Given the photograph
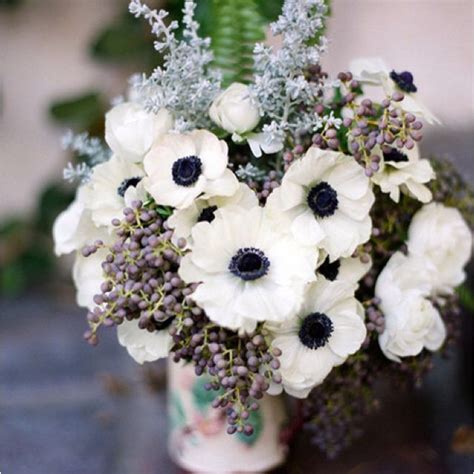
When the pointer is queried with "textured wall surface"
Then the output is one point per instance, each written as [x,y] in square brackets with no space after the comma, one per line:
[43,56]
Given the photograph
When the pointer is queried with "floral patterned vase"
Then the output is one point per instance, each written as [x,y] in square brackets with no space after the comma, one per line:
[198,441]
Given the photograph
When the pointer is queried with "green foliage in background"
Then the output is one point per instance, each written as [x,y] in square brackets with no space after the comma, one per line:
[10,3]
[26,256]
[125,41]
[466,297]
[82,112]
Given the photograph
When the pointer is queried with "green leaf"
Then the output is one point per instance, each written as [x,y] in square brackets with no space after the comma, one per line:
[83,112]
[164,211]
[54,198]
[126,40]
[270,9]
[12,279]
[256,420]
[466,297]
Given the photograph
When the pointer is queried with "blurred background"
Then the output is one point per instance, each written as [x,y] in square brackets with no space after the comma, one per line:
[77,409]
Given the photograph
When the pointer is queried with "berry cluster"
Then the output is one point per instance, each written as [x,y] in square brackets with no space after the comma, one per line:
[140,274]
[241,367]
[265,186]
[369,130]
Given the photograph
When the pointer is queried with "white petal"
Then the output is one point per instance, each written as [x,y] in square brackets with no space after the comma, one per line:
[348,178]
[226,185]
[142,345]
[212,152]
[348,334]
[307,229]
[369,70]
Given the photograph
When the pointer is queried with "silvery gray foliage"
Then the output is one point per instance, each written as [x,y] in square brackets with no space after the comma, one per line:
[77,173]
[185,83]
[281,85]
[90,148]
[250,171]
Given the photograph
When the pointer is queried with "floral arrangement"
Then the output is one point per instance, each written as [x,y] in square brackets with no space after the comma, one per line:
[281,233]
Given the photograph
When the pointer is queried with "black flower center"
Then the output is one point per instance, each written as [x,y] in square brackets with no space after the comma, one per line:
[404,81]
[315,330]
[161,325]
[330,270]
[249,264]
[186,171]
[127,183]
[322,199]
[207,214]
[395,156]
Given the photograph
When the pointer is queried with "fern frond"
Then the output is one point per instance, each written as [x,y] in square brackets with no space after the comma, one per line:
[238,25]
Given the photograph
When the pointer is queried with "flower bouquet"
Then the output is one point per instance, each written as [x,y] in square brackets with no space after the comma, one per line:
[277,234]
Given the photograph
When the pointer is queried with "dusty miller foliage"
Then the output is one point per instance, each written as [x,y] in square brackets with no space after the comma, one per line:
[186,83]
[281,85]
[90,149]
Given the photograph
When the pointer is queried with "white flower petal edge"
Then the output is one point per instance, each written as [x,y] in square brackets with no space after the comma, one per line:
[74,228]
[183,220]
[130,130]
[328,328]
[261,143]
[248,270]
[110,183]
[411,321]
[440,235]
[142,345]
[350,270]
[234,111]
[183,167]
[374,71]
[408,176]
[88,275]
[338,220]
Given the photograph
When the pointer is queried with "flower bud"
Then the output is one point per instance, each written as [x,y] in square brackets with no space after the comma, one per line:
[234,111]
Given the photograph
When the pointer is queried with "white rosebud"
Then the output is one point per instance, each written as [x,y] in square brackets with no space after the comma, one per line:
[234,111]
[440,235]
[411,321]
[130,130]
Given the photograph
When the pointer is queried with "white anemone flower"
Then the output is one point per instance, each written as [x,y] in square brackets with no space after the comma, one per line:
[325,199]
[440,235]
[114,185]
[402,170]
[328,328]
[130,130]
[182,167]
[142,345]
[203,210]
[74,228]
[411,321]
[350,270]
[375,72]
[248,270]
